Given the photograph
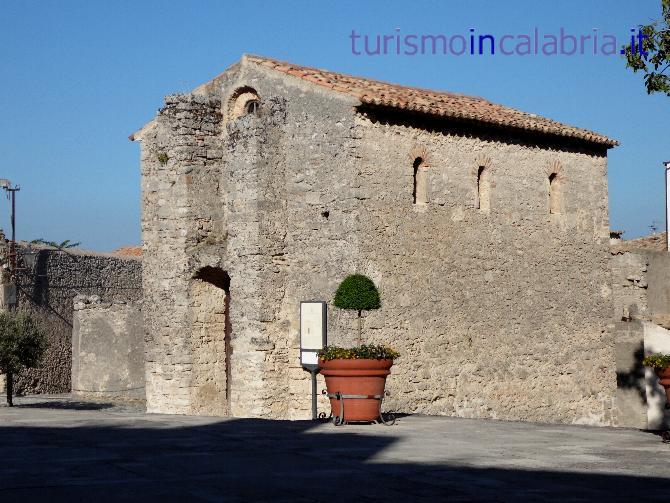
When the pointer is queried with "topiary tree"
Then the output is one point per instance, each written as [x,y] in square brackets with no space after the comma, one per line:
[22,344]
[359,293]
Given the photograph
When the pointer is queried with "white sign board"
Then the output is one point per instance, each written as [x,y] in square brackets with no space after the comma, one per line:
[313,328]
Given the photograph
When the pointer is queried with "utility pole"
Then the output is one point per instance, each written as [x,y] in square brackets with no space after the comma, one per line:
[11,192]
[11,290]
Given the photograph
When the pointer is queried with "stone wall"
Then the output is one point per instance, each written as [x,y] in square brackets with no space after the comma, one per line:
[47,291]
[631,396]
[500,311]
[107,349]
[641,284]
[629,284]
[217,201]
[641,281]
[640,398]
[658,277]
[182,225]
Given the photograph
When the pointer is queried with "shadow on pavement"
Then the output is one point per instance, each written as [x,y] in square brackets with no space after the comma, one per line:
[65,405]
[263,460]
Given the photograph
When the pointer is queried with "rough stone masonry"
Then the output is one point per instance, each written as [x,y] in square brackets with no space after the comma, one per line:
[46,290]
[485,228]
[107,349]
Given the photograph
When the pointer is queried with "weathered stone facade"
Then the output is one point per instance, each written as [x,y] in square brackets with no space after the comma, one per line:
[641,292]
[107,349]
[47,291]
[490,247]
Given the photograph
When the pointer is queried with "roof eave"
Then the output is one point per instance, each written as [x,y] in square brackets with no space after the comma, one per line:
[589,137]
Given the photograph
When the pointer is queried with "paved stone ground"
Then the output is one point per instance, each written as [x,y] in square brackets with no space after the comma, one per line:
[56,449]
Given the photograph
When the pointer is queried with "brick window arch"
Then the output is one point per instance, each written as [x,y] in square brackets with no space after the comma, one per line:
[244,101]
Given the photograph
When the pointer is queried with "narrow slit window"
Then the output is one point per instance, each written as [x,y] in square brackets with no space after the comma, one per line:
[420,182]
[554,194]
[483,189]
[251,107]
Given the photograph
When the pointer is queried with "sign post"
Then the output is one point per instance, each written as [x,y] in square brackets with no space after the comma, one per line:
[313,337]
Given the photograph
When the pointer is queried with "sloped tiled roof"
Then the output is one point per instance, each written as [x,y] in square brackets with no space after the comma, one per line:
[442,104]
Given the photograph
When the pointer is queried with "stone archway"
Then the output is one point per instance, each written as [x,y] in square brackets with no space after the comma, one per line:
[210,342]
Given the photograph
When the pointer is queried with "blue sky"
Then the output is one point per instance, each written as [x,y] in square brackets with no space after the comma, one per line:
[79,76]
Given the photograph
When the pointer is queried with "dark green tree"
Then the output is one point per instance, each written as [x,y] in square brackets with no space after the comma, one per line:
[652,55]
[22,344]
[358,293]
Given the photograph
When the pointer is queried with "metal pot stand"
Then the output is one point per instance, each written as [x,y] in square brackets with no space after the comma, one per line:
[389,420]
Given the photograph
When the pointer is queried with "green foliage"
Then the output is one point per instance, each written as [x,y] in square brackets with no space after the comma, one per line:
[657,361]
[364,352]
[357,292]
[162,158]
[657,46]
[22,342]
[62,246]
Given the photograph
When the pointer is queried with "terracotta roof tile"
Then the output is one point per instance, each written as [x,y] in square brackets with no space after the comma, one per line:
[133,251]
[442,104]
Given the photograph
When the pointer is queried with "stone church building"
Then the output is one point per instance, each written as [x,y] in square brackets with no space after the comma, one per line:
[485,228]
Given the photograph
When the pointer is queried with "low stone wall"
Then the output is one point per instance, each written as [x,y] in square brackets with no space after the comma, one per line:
[107,349]
[641,284]
[641,295]
[47,291]
[640,399]
[659,284]
[629,284]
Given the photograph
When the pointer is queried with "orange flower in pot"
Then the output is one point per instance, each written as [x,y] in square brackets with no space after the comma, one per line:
[356,377]
[661,365]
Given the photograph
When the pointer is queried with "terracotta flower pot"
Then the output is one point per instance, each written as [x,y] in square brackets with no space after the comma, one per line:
[356,377]
[664,380]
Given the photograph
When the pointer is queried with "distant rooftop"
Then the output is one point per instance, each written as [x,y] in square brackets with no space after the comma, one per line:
[654,242]
[133,251]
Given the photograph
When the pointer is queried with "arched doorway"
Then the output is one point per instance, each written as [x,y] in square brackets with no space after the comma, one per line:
[210,342]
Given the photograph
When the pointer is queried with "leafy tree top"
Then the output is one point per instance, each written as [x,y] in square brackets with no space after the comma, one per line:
[357,292]
[22,341]
[653,58]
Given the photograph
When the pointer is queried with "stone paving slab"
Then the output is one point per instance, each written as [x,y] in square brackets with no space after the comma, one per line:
[92,452]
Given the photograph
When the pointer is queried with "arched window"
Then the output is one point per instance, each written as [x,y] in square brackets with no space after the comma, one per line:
[483,201]
[420,188]
[244,101]
[554,194]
